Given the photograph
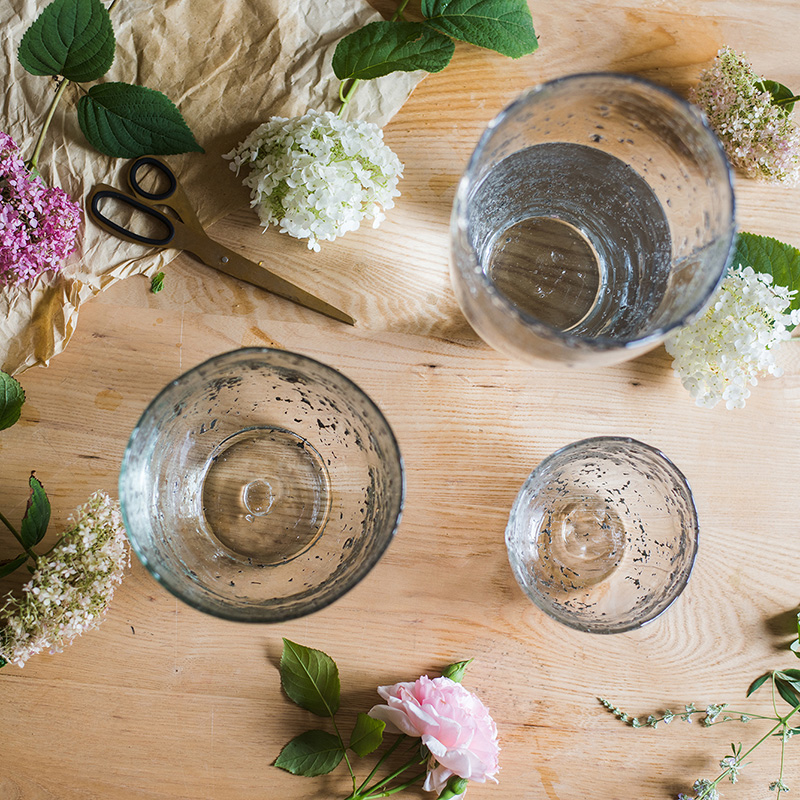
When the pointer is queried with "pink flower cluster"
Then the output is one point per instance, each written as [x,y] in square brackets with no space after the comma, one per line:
[39,224]
[758,136]
[453,724]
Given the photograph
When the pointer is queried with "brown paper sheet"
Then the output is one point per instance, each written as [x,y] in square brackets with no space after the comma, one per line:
[228,67]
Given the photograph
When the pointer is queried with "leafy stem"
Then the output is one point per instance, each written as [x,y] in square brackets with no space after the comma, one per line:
[13,530]
[348,87]
[395,789]
[33,162]
[344,750]
[371,792]
[377,766]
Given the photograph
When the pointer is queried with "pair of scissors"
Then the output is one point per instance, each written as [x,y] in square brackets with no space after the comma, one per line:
[186,233]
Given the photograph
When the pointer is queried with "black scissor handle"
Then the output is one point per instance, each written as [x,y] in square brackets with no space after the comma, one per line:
[161,167]
[133,203]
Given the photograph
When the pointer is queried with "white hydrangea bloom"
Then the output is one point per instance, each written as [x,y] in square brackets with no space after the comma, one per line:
[719,356]
[318,176]
[72,586]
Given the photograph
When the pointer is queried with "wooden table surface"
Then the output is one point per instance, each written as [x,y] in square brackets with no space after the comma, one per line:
[165,703]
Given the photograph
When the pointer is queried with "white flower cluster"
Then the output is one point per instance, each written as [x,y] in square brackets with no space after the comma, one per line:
[721,354]
[72,586]
[317,176]
[758,136]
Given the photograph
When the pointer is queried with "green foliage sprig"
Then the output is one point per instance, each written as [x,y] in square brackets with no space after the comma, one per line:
[398,45]
[785,685]
[73,41]
[310,678]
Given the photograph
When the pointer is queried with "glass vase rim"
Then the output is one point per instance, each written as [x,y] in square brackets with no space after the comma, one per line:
[596,343]
[227,612]
[681,481]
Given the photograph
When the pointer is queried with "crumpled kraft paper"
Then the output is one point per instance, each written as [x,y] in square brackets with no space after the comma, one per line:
[228,67]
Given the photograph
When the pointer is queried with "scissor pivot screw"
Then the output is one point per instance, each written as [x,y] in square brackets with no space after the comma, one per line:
[224,259]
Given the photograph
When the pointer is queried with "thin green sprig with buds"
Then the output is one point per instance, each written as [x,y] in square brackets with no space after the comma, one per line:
[400,45]
[785,685]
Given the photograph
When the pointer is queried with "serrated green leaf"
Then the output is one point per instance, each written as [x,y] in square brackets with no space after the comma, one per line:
[15,563]
[127,121]
[12,398]
[456,670]
[311,753]
[787,691]
[73,38]
[310,678]
[782,95]
[383,47]
[768,255]
[757,683]
[367,734]
[37,514]
[505,26]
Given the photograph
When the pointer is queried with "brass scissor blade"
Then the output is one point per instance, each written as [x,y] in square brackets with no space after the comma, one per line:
[237,266]
[272,283]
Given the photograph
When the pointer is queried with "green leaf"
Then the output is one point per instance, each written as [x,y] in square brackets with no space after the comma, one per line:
[781,95]
[768,255]
[73,38]
[792,676]
[157,284]
[757,683]
[456,670]
[787,691]
[37,514]
[12,397]
[795,647]
[3,662]
[505,26]
[127,121]
[367,734]
[311,753]
[383,47]
[10,566]
[310,678]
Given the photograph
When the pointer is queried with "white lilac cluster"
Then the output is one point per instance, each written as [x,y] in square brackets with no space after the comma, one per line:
[758,136]
[71,587]
[318,176]
[720,356]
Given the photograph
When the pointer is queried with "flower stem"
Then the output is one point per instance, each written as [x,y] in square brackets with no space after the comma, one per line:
[19,538]
[352,85]
[383,758]
[33,162]
[344,751]
[395,789]
[780,775]
[372,789]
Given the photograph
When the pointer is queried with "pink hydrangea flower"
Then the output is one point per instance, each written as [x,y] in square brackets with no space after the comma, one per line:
[39,224]
[453,724]
[758,136]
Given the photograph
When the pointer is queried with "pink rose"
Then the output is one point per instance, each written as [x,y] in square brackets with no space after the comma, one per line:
[453,723]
